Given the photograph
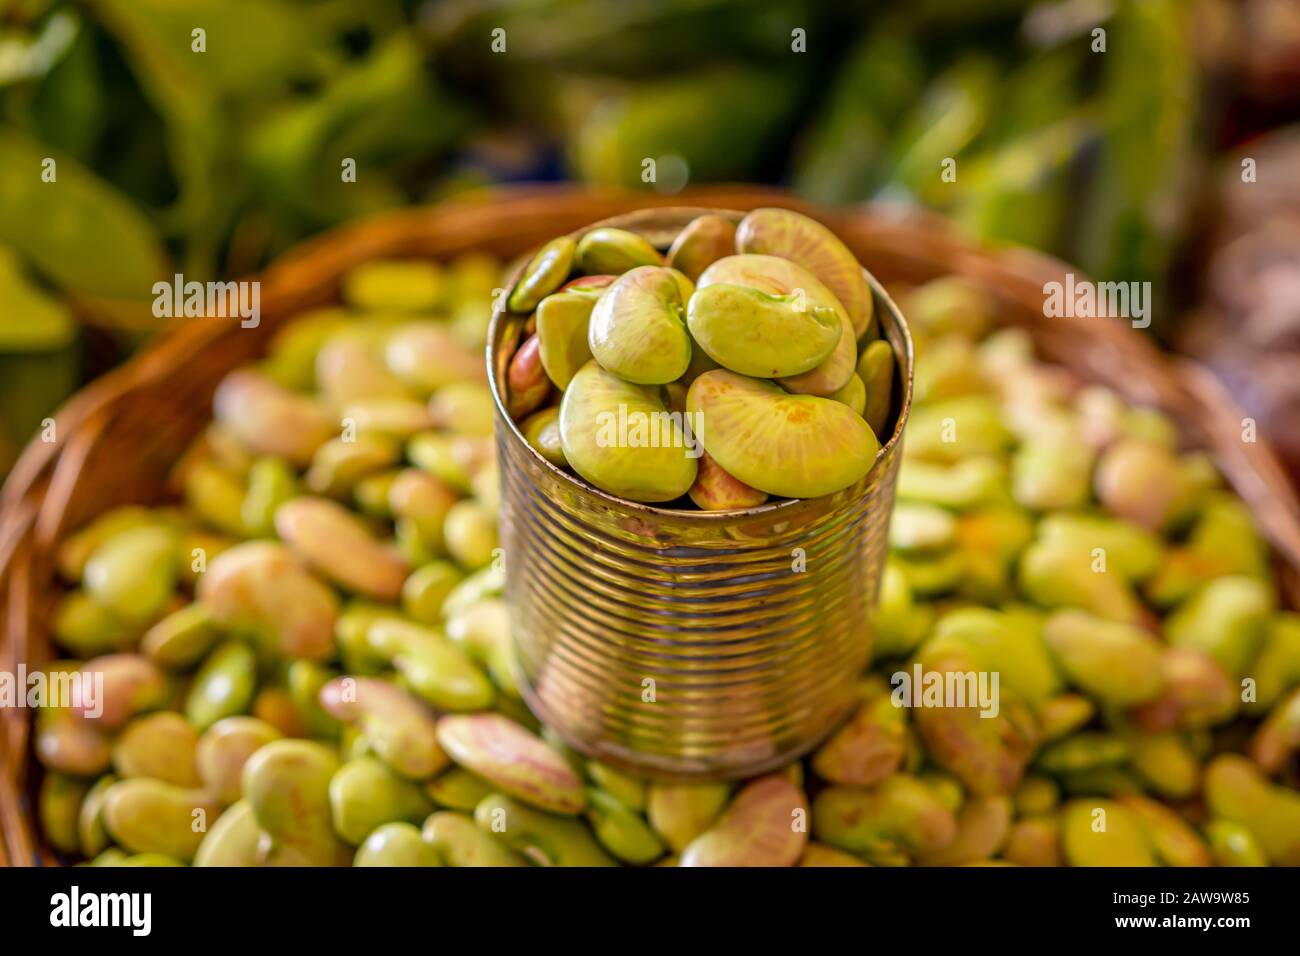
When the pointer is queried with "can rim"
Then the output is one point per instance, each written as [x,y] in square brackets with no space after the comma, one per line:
[653,224]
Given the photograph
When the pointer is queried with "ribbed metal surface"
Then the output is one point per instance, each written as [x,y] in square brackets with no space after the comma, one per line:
[689,644]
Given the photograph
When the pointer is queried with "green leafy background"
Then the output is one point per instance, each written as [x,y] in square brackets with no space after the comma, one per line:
[212,163]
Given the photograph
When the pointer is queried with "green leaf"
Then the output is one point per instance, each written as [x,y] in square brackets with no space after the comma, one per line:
[37,355]
[69,109]
[724,122]
[252,49]
[618,37]
[1018,191]
[77,230]
[952,113]
[1149,109]
[841,158]
[383,111]
[31,320]
[27,56]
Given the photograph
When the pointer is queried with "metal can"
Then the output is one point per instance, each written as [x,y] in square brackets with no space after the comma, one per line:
[690,644]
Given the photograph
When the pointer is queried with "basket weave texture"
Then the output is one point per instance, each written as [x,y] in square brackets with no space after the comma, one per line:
[118,438]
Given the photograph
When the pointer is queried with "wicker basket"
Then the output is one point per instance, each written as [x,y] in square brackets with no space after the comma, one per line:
[117,439]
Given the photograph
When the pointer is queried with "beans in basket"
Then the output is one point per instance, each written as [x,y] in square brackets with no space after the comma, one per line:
[305,657]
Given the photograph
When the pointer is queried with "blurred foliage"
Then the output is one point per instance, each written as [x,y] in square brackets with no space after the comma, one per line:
[38,361]
[212,162]
[233,151]
[1056,143]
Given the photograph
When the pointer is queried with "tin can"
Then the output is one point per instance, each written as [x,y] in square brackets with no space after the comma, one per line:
[690,644]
